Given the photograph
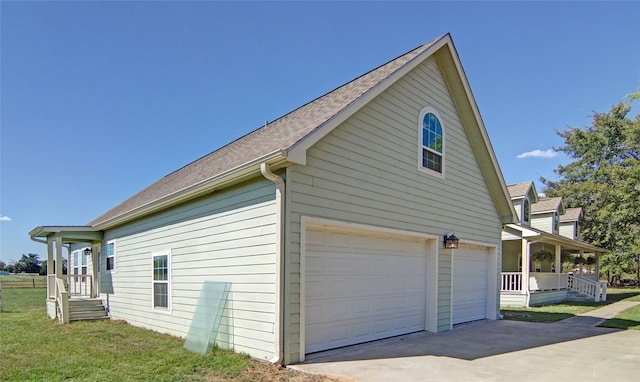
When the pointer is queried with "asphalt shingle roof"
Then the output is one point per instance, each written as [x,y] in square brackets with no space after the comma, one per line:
[281,134]
[571,214]
[518,190]
[546,205]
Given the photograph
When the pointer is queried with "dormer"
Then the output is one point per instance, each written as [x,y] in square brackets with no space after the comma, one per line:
[523,196]
[545,214]
[570,223]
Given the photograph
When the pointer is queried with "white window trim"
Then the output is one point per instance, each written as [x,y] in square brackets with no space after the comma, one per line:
[115,252]
[157,309]
[422,169]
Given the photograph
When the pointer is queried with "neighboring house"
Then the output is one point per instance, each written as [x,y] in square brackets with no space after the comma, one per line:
[328,222]
[546,233]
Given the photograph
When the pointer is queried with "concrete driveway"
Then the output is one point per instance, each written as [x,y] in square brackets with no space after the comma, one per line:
[490,351]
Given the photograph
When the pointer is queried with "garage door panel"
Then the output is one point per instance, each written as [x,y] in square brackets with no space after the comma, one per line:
[470,285]
[361,287]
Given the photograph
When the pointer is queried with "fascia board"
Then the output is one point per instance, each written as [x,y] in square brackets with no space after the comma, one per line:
[298,152]
[504,198]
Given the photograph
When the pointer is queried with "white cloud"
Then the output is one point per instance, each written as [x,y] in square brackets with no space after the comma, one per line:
[4,218]
[546,154]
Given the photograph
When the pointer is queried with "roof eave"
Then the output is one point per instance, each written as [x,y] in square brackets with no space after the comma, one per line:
[199,189]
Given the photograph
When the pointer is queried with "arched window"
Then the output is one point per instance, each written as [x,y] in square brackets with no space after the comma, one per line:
[556,222]
[431,141]
[526,211]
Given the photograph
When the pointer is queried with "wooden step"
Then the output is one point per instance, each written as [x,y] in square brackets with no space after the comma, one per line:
[87,309]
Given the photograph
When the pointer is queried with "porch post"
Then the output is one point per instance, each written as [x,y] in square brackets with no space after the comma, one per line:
[580,265]
[597,255]
[50,267]
[95,250]
[59,258]
[525,265]
[559,266]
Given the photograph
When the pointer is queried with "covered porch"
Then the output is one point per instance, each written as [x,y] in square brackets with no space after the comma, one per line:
[65,290]
[541,268]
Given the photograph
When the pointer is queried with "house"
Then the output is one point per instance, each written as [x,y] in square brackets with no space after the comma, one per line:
[546,233]
[328,222]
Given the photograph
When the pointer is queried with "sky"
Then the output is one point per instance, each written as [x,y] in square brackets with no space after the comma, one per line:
[100,99]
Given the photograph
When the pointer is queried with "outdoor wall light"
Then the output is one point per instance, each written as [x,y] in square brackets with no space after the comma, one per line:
[87,252]
[451,241]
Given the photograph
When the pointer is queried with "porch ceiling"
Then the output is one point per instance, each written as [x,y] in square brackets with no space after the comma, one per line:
[566,244]
[68,234]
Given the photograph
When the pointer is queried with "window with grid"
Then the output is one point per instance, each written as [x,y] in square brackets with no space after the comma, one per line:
[432,142]
[111,256]
[161,281]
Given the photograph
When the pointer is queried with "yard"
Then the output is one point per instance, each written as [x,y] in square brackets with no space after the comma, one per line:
[36,348]
[629,319]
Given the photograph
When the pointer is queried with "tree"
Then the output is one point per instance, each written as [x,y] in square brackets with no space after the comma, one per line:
[604,179]
[28,264]
[2,265]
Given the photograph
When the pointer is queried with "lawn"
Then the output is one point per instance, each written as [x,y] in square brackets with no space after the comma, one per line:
[34,347]
[560,311]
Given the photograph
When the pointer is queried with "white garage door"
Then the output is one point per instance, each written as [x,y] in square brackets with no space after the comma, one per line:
[361,286]
[470,284]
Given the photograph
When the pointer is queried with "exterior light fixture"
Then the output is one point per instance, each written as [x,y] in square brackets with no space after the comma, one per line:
[451,241]
[87,252]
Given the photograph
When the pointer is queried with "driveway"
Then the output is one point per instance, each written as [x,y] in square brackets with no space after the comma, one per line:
[490,351]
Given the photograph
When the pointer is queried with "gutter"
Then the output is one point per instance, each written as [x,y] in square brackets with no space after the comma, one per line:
[265,169]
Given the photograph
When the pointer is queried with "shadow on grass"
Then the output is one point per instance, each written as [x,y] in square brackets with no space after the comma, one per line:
[619,323]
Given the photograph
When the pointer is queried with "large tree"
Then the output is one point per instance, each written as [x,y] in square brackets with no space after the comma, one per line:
[604,179]
[28,264]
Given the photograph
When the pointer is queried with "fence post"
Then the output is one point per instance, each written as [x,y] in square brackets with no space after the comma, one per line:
[33,280]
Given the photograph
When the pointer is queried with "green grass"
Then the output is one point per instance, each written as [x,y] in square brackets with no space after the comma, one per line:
[560,311]
[629,319]
[35,348]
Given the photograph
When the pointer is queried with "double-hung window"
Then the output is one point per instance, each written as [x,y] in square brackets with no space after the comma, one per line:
[431,141]
[161,280]
[111,256]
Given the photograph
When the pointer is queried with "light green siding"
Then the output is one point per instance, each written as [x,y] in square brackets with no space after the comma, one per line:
[543,222]
[366,171]
[229,236]
[568,230]
[445,282]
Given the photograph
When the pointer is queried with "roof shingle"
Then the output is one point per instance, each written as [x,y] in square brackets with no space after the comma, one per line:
[546,205]
[281,134]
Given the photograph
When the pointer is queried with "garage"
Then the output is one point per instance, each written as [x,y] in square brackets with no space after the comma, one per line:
[470,284]
[361,286]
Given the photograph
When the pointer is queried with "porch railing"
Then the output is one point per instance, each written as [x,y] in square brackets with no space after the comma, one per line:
[80,285]
[511,282]
[62,301]
[51,286]
[548,281]
[595,289]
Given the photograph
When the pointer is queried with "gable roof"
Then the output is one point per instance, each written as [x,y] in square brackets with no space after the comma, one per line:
[520,190]
[287,138]
[548,205]
[571,215]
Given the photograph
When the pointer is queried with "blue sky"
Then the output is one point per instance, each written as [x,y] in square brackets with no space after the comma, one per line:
[101,99]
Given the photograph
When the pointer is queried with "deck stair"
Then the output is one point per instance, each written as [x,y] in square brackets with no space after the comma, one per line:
[576,296]
[87,309]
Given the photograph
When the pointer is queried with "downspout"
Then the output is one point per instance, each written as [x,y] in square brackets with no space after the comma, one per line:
[280,208]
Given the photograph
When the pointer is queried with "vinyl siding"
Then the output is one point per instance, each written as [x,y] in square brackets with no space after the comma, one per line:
[568,230]
[366,171]
[543,222]
[230,237]
[445,282]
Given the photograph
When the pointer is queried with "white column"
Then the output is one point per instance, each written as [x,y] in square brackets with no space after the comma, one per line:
[59,258]
[525,264]
[559,266]
[50,269]
[597,255]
